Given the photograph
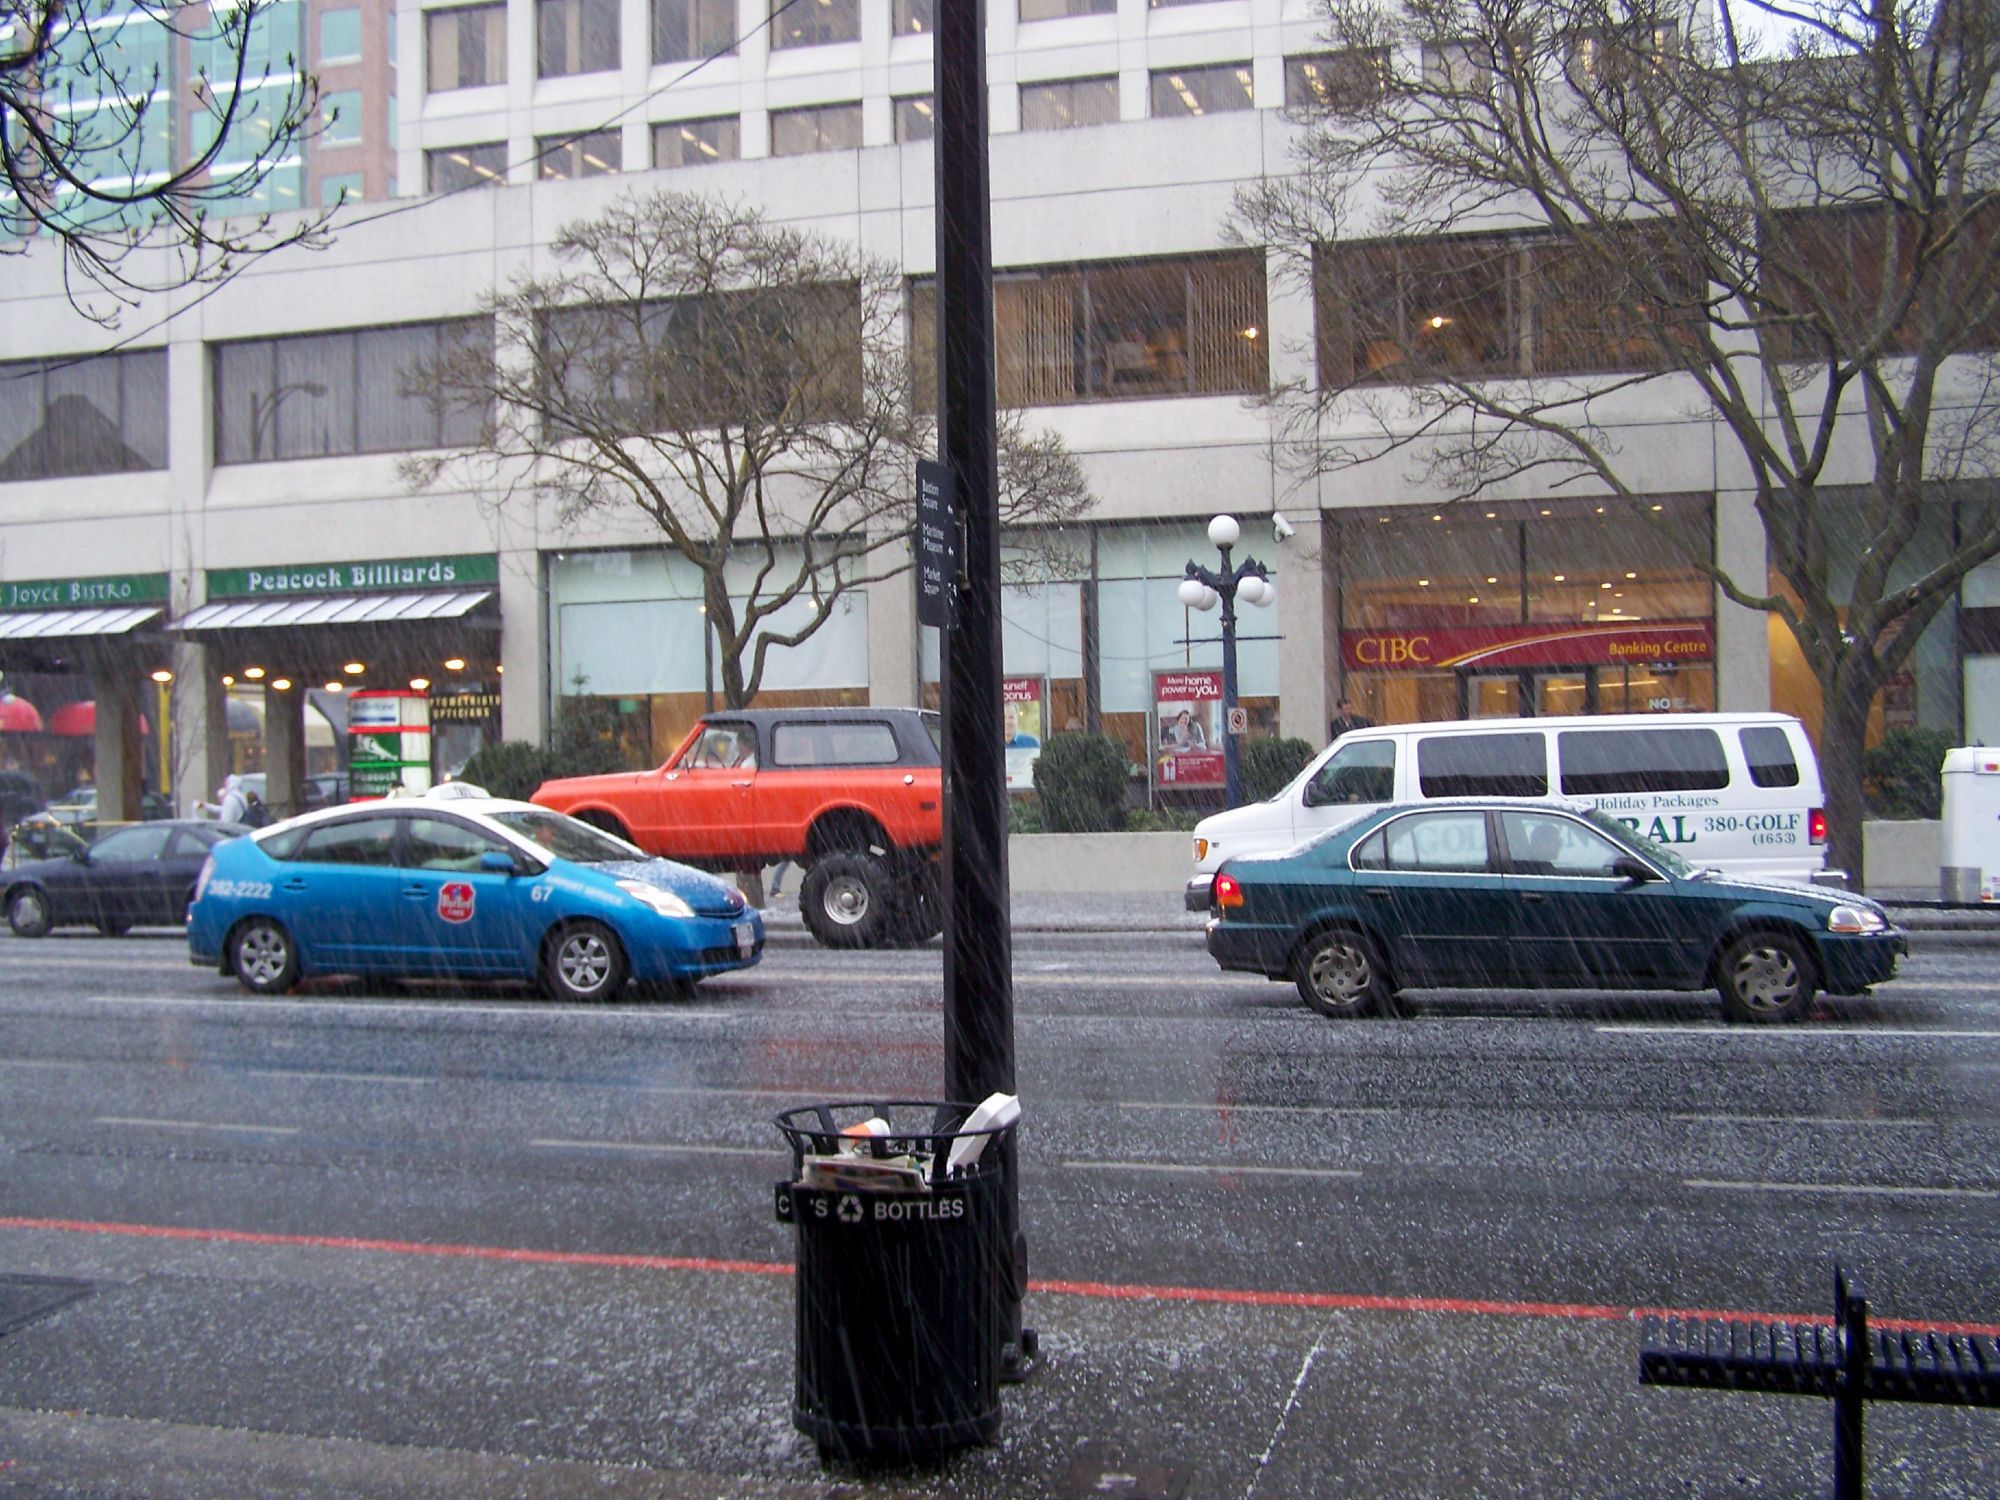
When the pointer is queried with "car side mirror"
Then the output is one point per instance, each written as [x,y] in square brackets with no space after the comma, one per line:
[1625,867]
[1312,796]
[499,863]
[81,856]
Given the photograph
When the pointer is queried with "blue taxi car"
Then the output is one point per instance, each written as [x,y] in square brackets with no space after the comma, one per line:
[462,887]
[1506,895]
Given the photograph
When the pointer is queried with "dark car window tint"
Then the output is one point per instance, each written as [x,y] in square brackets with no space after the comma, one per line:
[189,841]
[1768,749]
[833,744]
[1357,773]
[1443,841]
[283,845]
[1599,761]
[447,844]
[1541,844]
[131,846]
[1372,853]
[363,841]
[1483,765]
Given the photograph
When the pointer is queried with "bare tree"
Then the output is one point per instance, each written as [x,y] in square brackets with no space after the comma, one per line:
[1798,250]
[131,126]
[744,386]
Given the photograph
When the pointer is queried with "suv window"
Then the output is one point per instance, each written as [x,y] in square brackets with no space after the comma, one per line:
[1484,765]
[1768,749]
[1431,842]
[1364,772]
[1597,761]
[867,743]
[358,841]
[722,747]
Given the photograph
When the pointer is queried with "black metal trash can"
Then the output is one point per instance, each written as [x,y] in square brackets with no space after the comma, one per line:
[899,1296]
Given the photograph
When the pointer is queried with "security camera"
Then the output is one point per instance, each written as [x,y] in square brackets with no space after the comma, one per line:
[1281,529]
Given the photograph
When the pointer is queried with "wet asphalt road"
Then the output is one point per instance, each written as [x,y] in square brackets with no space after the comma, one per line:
[1184,1130]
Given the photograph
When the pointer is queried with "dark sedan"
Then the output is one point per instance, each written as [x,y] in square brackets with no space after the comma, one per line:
[140,875]
[1545,896]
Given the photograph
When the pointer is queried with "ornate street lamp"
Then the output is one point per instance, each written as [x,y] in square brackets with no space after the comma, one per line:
[1203,589]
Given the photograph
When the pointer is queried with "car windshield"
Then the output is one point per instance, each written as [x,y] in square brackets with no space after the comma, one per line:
[566,838]
[1658,853]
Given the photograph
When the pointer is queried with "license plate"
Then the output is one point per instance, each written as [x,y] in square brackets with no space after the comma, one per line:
[746,939]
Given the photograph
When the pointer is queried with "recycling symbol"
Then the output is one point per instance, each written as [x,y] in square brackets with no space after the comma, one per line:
[850,1209]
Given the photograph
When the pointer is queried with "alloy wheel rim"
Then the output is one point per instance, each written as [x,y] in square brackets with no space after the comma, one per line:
[846,900]
[28,908]
[585,962]
[1340,973]
[261,954]
[1766,979]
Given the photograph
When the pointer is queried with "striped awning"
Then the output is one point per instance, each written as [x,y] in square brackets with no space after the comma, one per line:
[331,609]
[74,624]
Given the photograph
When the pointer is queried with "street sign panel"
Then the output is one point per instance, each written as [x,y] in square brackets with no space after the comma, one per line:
[1239,721]
[937,545]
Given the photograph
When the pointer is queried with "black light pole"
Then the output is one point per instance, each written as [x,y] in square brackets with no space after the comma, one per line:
[978,944]
[1203,588]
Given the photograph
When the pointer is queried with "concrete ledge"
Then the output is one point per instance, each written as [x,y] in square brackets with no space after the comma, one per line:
[1113,863]
[1901,855]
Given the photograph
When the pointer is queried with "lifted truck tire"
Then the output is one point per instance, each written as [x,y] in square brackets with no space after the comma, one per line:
[919,905]
[849,899]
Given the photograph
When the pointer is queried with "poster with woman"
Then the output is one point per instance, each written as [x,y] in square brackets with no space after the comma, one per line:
[1021,704]
[1187,717]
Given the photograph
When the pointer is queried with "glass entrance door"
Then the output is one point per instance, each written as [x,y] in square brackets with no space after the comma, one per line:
[1564,693]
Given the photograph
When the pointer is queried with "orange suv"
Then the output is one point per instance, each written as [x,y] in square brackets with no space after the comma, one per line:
[854,795]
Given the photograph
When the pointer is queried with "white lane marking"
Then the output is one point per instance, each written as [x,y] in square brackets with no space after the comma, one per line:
[339,1076]
[307,1006]
[1214,1107]
[145,1124]
[665,1148]
[1231,1169]
[1285,1416]
[38,1062]
[1807,1032]
[1866,1189]
[1863,1121]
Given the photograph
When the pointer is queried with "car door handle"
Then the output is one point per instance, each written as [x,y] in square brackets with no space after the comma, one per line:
[414,892]
[740,783]
[1376,893]
[1533,898]
[296,883]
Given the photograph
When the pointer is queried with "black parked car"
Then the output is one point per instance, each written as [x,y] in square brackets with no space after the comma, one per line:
[142,874]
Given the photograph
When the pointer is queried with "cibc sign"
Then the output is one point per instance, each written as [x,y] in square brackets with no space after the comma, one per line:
[1498,647]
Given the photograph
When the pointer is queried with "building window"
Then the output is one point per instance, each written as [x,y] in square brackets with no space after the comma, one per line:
[339,36]
[452,169]
[825,127]
[343,187]
[1201,91]
[1069,104]
[814,23]
[1186,326]
[1340,83]
[103,415]
[1404,310]
[1460,68]
[913,17]
[696,143]
[1591,312]
[595,154]
[687,29]
[323,394]
[465,48]
[1055,10]
[575,36]
[916,118]
[340,118]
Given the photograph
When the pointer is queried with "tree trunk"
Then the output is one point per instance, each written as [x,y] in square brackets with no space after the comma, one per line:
[1843,737]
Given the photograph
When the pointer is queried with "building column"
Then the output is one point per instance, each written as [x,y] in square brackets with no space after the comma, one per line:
[120,769]
[1742,636]
[284,750]
[892,636]
[1303,599]
[200,755]
[524,648]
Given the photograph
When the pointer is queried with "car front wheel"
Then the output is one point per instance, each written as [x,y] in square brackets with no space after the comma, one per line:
[1766,977]
[1340,974]
[584,962]
[28,913]
[848,899]
[263,957]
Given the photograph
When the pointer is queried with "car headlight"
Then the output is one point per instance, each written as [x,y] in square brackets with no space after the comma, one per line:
[1854,919]
[666,903]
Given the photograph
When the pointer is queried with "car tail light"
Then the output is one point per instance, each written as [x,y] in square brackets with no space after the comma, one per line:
[1228,892]
[1816,825]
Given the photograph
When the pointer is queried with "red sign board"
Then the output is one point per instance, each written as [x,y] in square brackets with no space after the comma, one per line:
[1475,648]
[455,901]
[1187,743]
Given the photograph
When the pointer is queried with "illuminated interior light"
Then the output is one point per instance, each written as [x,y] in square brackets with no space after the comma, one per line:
[353,669]
[419,684]
[454,664]
[227,680]
[163,676]
[1439,320]
[1562,578]
[255,674]
[282,684]
[336,686]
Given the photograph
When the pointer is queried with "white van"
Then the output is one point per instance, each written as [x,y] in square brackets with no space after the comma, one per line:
[1739,793]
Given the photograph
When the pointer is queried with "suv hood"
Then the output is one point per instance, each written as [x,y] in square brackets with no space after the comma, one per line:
[1257,828]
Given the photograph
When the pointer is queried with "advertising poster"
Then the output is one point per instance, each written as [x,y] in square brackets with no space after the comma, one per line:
[1187,719]
[1022,708]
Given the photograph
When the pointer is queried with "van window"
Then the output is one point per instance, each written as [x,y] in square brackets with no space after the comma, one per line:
[1597,761]
[1768,749]
[1484,765]
[1363,772]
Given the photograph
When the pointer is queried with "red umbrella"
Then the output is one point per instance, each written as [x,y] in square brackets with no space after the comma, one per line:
[19,716]
[79,719]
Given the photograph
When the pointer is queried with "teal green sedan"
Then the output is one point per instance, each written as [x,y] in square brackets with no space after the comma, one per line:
[1545,896]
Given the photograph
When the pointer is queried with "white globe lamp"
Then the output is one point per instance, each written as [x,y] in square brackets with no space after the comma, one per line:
[1190,592]
[1224,532]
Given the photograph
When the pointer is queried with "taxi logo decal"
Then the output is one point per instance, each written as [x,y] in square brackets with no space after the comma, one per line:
[455,901]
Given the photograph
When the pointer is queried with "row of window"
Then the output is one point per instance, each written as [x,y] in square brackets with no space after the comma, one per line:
[466,46]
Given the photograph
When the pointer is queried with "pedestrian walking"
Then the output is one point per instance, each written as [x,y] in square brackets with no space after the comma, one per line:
[1346,720]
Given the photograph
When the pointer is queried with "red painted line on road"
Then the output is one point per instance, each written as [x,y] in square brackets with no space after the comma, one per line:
[1118,1291]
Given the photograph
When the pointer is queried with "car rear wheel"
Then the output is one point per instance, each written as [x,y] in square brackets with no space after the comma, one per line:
[848,899]
[584,962]
[1340,974]
[263,957]
[28,913]
[1766,977]
[920,912]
